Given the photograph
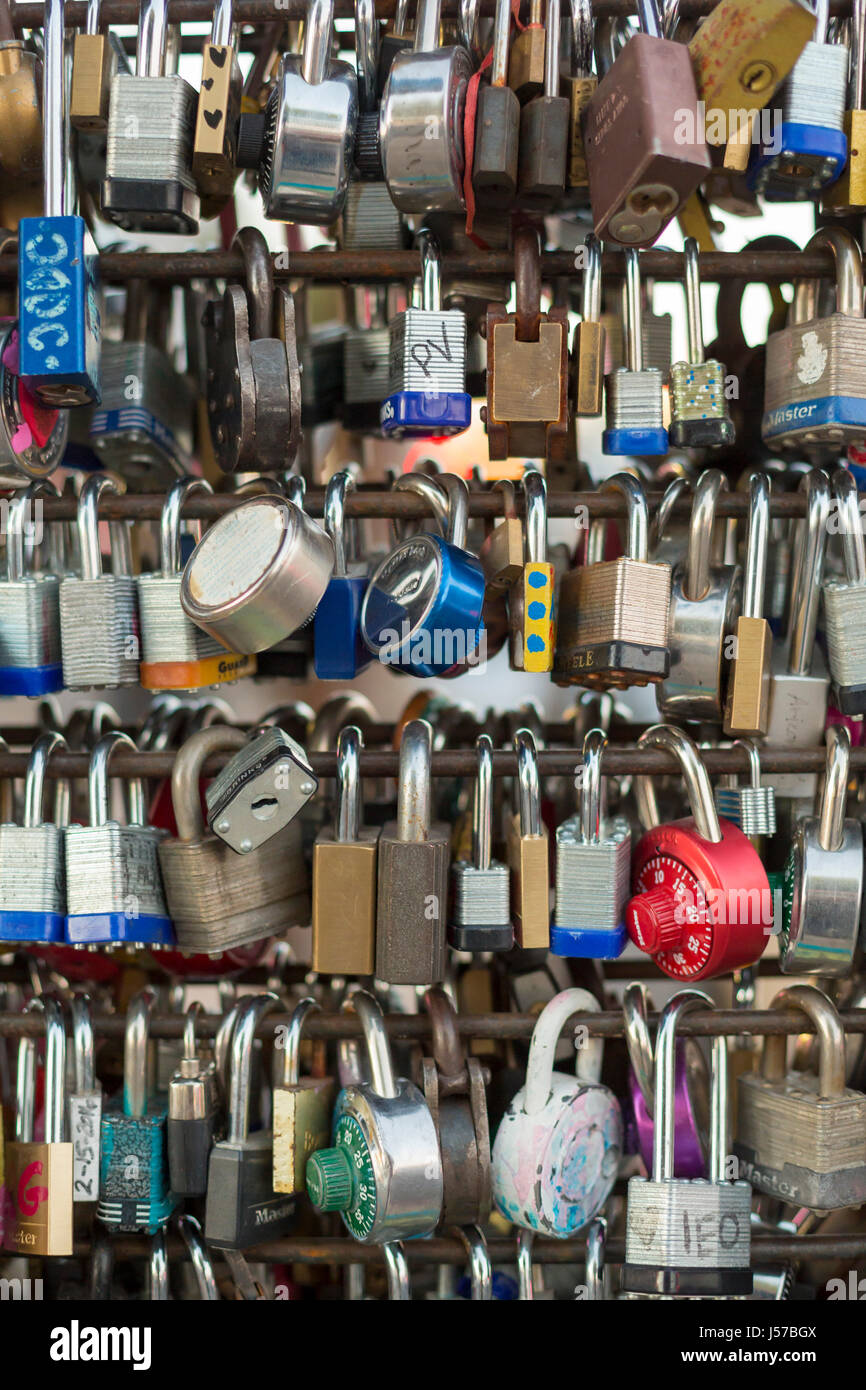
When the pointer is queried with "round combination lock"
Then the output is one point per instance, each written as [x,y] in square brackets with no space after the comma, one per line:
[702,903]
[343,1178]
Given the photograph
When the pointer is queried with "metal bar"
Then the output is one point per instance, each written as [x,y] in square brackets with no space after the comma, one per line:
[367,266]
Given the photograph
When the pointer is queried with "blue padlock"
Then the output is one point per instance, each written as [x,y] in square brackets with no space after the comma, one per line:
[30,661]
[427,388]
[422,610]
[58,310]
[33,877]
[633,393]
[339,651]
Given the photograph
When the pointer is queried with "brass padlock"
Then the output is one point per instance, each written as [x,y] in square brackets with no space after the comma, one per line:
[526,63]
[20,119]
[93,66]
[214,144]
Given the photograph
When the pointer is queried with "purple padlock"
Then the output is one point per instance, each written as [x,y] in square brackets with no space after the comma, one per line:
[691,1093]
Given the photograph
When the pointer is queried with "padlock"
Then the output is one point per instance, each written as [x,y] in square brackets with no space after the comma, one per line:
[815,391]
[32,869]
[752,806]
[219,899]
[367,354]
[149,185]
[310,123]
[687,1237]
[844,603]
[801,1135]
[848,194]
[807,150]
[302,1109]
[30,662]
[214,165]
[640,169]
[527,409]
[134,1193]
[501,551]
[699,410]
[822,890]
[481,908]
[254,376]
[260,791]
[412,900]
[544,128]
[38,1176]
[526,63]
[369,219]
[58,302]
[704,607]
[384,1171]
[177,655]
[194,1119]
[114,889]
[528,852]
[593,862]
[702,902]
[497,124]
[635,411]
[340,652]
[421,123]
[453,1085]
[422,611]
[427,374]
[530,599]
[344,875]
[98,612]
[747,707]
[556,1152]
[85,1104]
[612,616]
[690,1093]
[32,436]
[20,116]
[93,67]
[588,347]
[580,85]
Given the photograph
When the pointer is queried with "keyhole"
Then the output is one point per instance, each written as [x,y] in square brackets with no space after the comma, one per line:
[652,198]
[263,807]
[756,77]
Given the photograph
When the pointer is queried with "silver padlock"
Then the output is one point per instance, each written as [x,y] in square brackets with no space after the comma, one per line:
[751,806]
[29,606]
[845,604]
[263,787]
[98,612]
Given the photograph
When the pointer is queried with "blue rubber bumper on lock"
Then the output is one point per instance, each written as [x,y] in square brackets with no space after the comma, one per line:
[30,680]
[32,926]
[592,943]
[425,413]
[635,441]
[815,146]
[118,929]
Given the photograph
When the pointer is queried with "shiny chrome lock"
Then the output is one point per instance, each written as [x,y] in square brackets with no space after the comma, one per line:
[30,662]
[32,868]
[635,419]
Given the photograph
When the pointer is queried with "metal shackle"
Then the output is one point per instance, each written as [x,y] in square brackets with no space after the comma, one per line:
[590,302]
[190,1231]
[635,1002]
[757,542]
[169,522]
[259,279]
[382,1078]
[633,312]
[831,1039]
[186,773]
[87,525]
[594,744]
[34,780]
[396,1271]
[190,1046]
[596,1240]
[17,523]
[292,1049]
[648,18]
[525,1242]
[675,489]
[694,314]
[528,783]
[637,520]
[849,277]
[697,578]
[535,530]
[152,38]
[807,571]
[221,24]
[414,786]
[480,1268]
[55,1074]
[831,822]
[25,1081]
[367,54]
[158,1285]
[687,1001]
[754,757]
[542,1048]
[83,1047]
[853,548]
[252,1011]
[431,271]
[347,825]
[698,788]
[427,19]
[136,1053]
[482,803]
[428,488]
[334,517]
[318,33]
[97,782]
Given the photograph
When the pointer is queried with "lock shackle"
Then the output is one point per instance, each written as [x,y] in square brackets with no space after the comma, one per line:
[427,19]
[822,20]
[633,314]
[431,270]
[635,1006]
[222,1048]
[697,576]
[347,825]
[97,782]
[163,723]
[55,1069]
[535,533]
[221,26]
[528,784]
[136,1052]
[527,284]
[157,1267]
[542,1048]
[482,803]
[648,18]
[831,822]
[34,781]
[186,773]
[551,48]
[382,1077]
[581,33]
[695,776]
[675,489]
[259,280]
[25,1081]
[457,492]
[414,785]
[525,1242]
[339,484]
[396,1271]
[83,1046]
[686,1001]
[250,1014]
[189,1229]
[807,571]
[152,38]
[54,136]
[594,744]
[849,277]
[401,15]
[169,523]
[193,1012]
[480,1268]
[318,33]
[292,1049]
[637,520]
[853,548]
[596,1241]
[590,301]
[18,522]
[433,494]
[87,525]
[757,543]
[468,12]
[94,11]
[754,757]
[694,314]
[367,55]
[449,1053]
[831,1039]
[501,37]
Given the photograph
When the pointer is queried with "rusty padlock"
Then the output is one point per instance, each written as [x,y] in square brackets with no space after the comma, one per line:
[454,1089]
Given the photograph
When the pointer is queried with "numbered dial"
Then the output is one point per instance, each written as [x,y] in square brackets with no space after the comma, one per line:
[342,1178]
[699,909]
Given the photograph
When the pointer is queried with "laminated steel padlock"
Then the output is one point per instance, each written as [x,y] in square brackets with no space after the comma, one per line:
[815,387]
[32,436]
[261,789]
[557,1149]
[32,864]
[690,1092]
[641,171]
[481,907]
[57,290]
[149,185]
[801,1135]
[339,650]
[497,124]
[219,899]
[310,123]
[544,129]
[98,612]
[588,347]
[85,1104]
[848,194]
[593,864]
[30,662]
[344,875]
[193,1121]
[134,1193]
[384,1171]
[747,706]
[38,1176]
[176,654]
[427,374]
[699,410]
[822,890]
[702,902]
[366,353]
[612,616]
[687,1237]
[302,1108]
[214,165]
[633,393]
[845,603]
[751,806]
[114,891]
[93,67]
[529,852]
[453,1084]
